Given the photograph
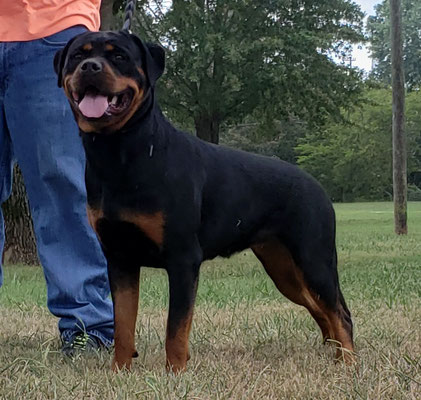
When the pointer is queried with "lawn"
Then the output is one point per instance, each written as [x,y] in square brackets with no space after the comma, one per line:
[247,341]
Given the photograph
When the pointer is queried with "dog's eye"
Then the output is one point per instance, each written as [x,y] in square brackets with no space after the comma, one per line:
[119,57]
[77,56]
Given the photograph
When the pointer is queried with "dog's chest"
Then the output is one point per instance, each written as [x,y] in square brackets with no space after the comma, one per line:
[130,234]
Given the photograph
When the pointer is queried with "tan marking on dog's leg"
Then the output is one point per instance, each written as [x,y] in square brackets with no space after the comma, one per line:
[177,345]
[125,313]
[289,280]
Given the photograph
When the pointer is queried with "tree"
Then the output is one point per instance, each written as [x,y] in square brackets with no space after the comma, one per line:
[267,137]
[353,160]
[378,27]
[107,17]
[20,245]
[226,58]
[112,13]
[398,131]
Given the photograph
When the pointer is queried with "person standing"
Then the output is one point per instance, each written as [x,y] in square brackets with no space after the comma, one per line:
[37,130]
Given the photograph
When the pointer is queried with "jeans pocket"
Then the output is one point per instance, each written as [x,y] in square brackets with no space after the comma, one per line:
[61,38]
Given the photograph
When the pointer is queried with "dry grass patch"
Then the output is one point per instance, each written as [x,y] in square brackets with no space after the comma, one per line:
[271,351]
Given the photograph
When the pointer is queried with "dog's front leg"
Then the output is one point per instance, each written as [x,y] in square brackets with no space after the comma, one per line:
[183,280]
[124,284]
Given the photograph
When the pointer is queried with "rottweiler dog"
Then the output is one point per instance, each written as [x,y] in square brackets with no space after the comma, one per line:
[159,197]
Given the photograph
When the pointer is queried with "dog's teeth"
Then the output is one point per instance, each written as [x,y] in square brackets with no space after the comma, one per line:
[114,100]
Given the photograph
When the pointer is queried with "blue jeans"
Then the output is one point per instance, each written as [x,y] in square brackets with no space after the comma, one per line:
[37,130]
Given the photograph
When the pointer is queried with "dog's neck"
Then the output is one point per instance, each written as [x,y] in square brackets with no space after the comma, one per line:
[142,138]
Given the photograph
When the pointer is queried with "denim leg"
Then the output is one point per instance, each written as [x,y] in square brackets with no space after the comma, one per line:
[50,154]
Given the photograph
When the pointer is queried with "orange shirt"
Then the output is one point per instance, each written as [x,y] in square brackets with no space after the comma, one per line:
[22,20]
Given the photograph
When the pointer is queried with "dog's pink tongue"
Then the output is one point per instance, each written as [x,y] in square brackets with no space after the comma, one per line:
[93,106]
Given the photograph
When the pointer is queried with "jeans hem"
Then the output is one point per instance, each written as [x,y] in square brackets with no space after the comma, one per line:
[67,335]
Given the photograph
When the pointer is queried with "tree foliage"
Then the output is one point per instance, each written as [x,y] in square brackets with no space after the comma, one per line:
[378,27]
[353,161]
[267,137]
[228,58]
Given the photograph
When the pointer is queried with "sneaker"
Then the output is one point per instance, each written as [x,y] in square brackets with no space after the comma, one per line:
[81,342]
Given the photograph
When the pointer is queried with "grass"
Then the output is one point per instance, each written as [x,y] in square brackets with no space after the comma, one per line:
[247,342]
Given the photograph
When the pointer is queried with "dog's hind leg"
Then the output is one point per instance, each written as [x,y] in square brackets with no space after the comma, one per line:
[324,301]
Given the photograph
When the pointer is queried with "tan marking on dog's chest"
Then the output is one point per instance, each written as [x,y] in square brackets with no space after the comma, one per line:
[93,216]
[152,225]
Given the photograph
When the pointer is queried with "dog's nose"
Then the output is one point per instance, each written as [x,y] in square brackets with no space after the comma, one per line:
[92,66]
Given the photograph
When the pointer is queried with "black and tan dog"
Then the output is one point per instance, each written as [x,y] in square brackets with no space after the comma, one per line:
[162,198]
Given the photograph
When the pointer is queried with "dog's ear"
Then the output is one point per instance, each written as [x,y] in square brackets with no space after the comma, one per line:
[153,57]
[59,60]
[158,65]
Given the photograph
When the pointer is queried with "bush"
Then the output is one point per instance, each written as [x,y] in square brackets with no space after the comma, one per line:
[414,193]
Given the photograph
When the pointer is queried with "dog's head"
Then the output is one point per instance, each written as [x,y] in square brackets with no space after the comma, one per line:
[106,77]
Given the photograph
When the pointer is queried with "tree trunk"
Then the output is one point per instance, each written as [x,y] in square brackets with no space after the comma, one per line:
[207,128]
[107,18]
[20,245]
[399,139]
